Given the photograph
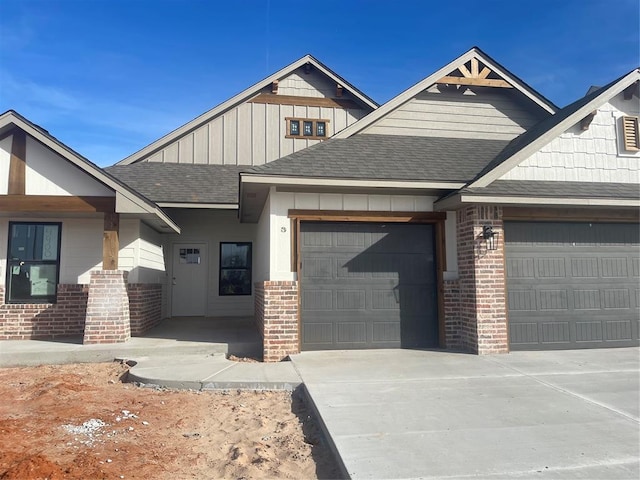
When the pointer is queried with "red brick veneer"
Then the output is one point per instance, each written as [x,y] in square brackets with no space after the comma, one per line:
[145,306]
[276,313]
[483,316]
[452,314]
[45,320]
[108,319]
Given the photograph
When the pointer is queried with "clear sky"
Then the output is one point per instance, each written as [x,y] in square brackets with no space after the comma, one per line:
[108,77]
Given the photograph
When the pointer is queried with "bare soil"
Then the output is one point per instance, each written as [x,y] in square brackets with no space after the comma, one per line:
[81,421]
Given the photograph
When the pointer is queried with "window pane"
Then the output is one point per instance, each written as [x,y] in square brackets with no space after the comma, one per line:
[294,127]
[320,129]
[308,128]
[34,242]
[235,255]
[33,263]
[235,282]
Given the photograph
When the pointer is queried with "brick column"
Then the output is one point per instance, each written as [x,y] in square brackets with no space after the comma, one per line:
[276,315]
[483,317]
[107,318]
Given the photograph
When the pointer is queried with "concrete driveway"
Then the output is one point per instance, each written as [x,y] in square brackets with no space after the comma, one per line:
[428,414]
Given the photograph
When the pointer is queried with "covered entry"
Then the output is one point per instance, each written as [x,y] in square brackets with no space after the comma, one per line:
[368,285]
[572,285]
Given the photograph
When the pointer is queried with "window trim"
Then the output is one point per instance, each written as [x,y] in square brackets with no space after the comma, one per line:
[314,128]
[13,263]
[248,268]
[630,133]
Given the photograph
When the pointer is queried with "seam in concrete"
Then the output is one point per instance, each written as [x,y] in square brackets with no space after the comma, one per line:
[621,413]
[530,473]
[218,372]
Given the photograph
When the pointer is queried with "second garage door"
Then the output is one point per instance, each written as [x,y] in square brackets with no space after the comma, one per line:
[572,285]
[368,285]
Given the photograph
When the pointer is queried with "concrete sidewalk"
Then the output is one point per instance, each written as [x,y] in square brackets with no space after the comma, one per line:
[160,363]
[427,414]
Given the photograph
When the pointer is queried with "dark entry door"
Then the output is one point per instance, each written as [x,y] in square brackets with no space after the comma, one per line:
[368,285]
[572,285]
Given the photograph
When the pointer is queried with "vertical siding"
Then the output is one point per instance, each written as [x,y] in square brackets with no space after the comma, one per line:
[201,145]
[594,155]
[254,133]
[490,113]
[230,137]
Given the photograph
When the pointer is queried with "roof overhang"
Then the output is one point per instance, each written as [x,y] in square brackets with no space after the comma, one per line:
[458,200]
[254,189]
[209,206]
[128,201]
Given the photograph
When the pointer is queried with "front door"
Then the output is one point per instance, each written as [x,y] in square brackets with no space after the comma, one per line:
[189,282]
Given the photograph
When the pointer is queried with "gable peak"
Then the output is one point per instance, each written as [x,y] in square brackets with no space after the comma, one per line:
[474,72]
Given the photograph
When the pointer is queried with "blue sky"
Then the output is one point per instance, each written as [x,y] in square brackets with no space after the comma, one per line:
[108,77]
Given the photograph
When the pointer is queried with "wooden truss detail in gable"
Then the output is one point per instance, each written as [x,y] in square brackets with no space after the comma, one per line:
[471,74]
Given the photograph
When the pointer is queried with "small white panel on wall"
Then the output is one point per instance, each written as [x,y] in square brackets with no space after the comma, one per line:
[47,173]
[5,160]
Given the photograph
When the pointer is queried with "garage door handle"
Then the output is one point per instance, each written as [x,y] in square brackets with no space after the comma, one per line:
[396,293]
[173,281]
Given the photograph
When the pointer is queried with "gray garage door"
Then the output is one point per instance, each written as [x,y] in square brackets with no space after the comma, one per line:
[572,285]
[368,285]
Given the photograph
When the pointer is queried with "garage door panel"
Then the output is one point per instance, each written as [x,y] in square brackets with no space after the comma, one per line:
[583,292]
[367,286]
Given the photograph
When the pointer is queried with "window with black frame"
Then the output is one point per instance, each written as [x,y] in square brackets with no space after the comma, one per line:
[235,268]
[33,262]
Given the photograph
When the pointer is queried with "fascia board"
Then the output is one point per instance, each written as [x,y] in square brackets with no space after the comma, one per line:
[431,80]
[236,100]
[554,131]
[348,182]
[213,206]
[460,199]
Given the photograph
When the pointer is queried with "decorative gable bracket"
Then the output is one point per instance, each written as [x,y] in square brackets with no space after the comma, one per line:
[474,73]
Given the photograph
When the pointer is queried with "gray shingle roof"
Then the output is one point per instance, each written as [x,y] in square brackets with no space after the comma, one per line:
[181,183]
[388,157]
[530,188]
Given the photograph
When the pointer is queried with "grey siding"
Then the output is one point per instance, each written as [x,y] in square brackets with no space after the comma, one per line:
[368,286]
[491,113]
[572,285]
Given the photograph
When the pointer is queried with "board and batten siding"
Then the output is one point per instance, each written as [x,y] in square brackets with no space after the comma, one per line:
[279,203]
[254,133]
[490,113]
[594,155]
[251,134]
[47,173]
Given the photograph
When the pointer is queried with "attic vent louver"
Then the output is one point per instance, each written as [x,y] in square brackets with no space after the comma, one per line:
[631,133]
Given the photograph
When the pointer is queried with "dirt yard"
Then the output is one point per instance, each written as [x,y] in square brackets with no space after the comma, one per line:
[81,422]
